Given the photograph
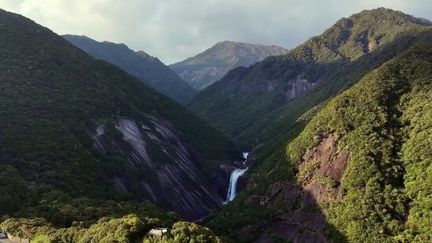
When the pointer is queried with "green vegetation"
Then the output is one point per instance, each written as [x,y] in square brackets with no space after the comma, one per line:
[377,120]
[146,68]
[251,105]
[129,228]
[57,188]
[185,232]
[384,122]
[52,97]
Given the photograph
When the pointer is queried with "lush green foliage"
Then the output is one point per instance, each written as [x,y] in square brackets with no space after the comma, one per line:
[250,104]
[417,152]
[185,232]
[384,123]
[14,190]
[129,228]
[58,188]
[378,121]
[125,229]
[52,96]
[148,69]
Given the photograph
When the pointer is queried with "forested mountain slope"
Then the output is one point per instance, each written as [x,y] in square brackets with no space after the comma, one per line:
[146,68]
[248,102]
[81,139]
[362,164]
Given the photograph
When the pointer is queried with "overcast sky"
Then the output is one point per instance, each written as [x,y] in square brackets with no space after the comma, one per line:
[175,29]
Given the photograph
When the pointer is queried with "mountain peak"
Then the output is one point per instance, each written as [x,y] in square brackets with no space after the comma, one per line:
[387,14]
[230,43]
[143,54]
[209,66]
[352,37]
[277,81]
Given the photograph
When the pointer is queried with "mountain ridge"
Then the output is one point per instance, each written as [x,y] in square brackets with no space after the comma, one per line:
[248,95]
[150,70]
[338,130]
[77,127]
[353,164]
[210,65]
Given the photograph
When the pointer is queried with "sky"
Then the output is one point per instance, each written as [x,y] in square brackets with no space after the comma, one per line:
[173,30]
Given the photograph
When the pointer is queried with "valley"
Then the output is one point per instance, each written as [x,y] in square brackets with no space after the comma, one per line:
[329,141]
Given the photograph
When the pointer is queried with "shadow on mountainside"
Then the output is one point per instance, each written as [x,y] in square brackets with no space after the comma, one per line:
[280,202]
[278,210]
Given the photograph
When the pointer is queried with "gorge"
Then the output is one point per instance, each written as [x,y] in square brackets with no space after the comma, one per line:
[328,142]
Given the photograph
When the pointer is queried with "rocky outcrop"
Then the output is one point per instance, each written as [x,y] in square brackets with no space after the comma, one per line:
[321,170]
[300,218]
[172,180]
[263,93]
[299,88]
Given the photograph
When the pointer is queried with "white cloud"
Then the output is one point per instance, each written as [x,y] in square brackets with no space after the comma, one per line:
[175,29]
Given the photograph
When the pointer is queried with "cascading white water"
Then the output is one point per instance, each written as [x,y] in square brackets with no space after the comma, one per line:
[233,183]
[235,175]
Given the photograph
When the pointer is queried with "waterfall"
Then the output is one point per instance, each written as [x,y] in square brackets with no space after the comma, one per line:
[233,183]
[235,175]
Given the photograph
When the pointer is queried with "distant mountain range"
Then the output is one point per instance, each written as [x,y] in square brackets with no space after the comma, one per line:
[146,68]
[209,66]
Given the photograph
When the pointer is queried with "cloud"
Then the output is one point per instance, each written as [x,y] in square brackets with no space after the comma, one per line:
[175,29]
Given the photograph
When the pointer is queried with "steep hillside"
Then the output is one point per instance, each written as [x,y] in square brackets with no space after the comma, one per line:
[139,64]
[248,102]
[362,164]
[209,66]
[73,127]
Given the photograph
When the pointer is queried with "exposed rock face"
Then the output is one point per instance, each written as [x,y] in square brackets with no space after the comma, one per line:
[263,93]
[299,88]
[173,180]
[322,168]
[148,69]
[319,176]
[209,66]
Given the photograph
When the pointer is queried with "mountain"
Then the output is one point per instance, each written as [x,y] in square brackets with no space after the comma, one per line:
[209,66]
[354,168]
[378,139]
[84,143]
[254,104]
[146,68]
[339,129]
